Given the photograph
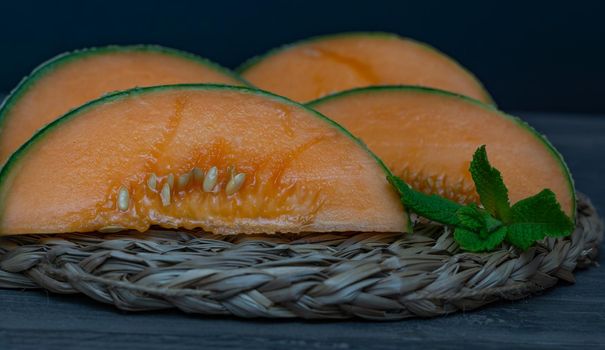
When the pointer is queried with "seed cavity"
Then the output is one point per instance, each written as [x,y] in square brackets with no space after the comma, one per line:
[210,179]
[152,182]
[184,180]
[165,194]
[235,183]
[198,174]
[231,171]
[123,199]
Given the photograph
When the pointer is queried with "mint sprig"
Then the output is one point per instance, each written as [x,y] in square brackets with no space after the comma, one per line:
[484,228]
[490,186]
[535,217]
[430,206]
[474,242]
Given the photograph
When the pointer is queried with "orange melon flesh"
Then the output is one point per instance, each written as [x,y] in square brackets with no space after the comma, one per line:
[73,79]
[428,137]
[314,68]
[303,173]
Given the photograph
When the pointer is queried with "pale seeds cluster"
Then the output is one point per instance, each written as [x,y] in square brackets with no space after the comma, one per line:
[208,181]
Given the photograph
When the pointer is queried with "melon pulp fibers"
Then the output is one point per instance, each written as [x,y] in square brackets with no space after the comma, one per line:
[428,137]
[313,68]
[71,79]
[221,158]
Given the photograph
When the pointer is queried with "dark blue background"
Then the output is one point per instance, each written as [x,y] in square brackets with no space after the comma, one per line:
[532,55]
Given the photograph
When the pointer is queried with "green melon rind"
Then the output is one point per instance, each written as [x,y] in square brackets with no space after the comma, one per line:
[422,89]
[13,161]
[259,58]
[56,62]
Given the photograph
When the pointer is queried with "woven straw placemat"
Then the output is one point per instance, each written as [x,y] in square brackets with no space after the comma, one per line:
[380,276]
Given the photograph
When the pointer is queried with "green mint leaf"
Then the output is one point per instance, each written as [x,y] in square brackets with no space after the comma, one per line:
[524,236]
[490,186]
[542,208]
[476,219]
[537,217]
[431,207]
[474,242]
[470,217]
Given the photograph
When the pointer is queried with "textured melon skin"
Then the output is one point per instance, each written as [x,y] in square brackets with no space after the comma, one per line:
[58,61]
[8,171]
[522,124]
[251,62]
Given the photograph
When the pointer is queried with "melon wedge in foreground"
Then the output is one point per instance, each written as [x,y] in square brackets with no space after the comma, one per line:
[225,159]
[71,79]
[313,68]
[428,137]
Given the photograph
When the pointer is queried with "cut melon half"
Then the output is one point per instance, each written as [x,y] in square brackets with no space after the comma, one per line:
[428,137]
[71,79]
[313,68]
[224,159]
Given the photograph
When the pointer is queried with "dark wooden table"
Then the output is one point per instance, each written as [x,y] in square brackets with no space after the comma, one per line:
[565,317]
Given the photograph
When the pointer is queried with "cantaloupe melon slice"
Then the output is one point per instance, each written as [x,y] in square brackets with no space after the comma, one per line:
[428,137]
[320,66]
[224,159]
[71,79]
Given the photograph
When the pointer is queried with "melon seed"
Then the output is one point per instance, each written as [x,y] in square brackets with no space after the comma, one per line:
[235,183]
[184,180]
[170,180]
[111,229]
[210,179]
[198,174]
[152,182]
[165,194]
[123,199]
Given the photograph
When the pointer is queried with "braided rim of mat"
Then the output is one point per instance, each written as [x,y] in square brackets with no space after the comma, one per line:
[380,276]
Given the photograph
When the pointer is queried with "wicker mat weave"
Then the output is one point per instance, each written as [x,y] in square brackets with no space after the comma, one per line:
[318,276]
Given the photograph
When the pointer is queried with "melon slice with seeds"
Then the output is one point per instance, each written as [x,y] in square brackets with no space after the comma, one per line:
[428,137]
[316,67]
[224,159]
[71,79]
